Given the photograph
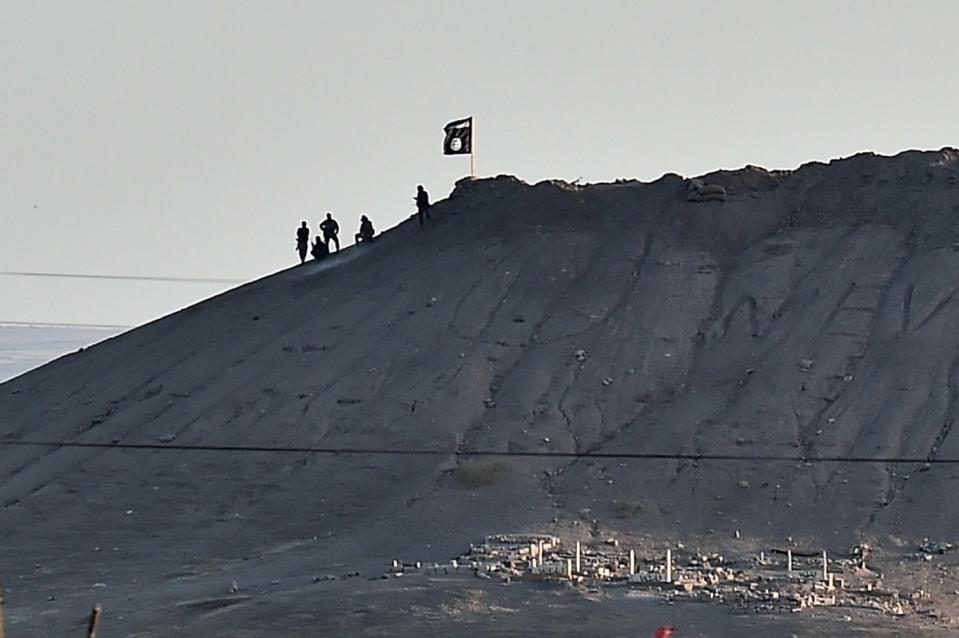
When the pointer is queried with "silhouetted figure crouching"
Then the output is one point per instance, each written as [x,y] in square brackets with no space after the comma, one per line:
[366,230]
[319,249]
[422,203]
[331,231]
[302,241]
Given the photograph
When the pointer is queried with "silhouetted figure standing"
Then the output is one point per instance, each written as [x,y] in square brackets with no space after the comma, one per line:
[302,241]
[422,203]
[319,250]
[331,230]
[366,230]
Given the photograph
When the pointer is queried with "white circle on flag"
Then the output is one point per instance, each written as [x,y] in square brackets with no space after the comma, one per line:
[456,144]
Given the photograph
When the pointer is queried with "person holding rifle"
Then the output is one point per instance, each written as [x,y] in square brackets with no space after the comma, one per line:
[422,203]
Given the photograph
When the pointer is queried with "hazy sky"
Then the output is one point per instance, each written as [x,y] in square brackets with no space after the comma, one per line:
[189,138]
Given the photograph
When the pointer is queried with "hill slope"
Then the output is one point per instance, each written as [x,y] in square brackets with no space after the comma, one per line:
[811,314]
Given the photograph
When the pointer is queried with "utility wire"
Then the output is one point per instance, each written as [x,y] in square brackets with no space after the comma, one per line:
[68,275]
[646,456]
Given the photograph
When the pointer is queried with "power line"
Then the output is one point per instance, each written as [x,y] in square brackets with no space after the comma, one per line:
[646,456]
[67,275]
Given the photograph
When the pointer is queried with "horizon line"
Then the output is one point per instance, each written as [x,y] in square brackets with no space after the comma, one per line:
[55,324]
[63,275]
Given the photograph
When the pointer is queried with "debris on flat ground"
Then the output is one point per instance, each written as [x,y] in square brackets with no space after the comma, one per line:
[774,582]
[929,547]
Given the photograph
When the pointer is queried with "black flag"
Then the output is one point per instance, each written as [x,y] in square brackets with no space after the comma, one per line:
[459,137]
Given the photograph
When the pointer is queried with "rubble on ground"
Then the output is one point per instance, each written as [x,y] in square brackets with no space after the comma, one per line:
[931,548]
[780,581]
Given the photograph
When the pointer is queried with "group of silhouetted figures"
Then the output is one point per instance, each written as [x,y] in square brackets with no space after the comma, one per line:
[331,233]
[331,230]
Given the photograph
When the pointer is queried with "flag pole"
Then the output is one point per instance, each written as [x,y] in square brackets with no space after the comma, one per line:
[473,147]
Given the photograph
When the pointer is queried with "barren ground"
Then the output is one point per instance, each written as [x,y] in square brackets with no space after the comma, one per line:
[810,315]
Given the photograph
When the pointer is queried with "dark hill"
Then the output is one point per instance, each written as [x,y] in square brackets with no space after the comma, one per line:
[811,314]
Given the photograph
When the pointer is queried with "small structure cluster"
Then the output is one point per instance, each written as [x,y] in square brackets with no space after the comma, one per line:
[778,582]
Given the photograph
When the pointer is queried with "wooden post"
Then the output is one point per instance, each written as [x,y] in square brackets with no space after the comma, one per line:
[632,562]
[94,619]
[789,561]
[2,634]
[579,564]
[825,566]
[669,565]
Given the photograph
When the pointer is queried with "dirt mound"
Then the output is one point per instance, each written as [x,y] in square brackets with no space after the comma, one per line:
[810,314]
